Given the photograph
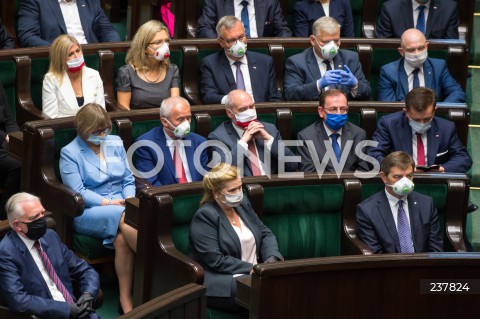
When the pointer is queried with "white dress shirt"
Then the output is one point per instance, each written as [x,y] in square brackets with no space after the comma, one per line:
[183,155]
[251,15]
[247,242]
[414,146]
[246,76]
[409,70]
[330,132]
[56,294]
[72,20]
[393,202]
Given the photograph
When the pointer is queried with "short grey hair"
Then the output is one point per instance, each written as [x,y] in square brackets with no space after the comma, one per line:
[14,208]
[168,104]
[231,96]
[226,22]
[325,24]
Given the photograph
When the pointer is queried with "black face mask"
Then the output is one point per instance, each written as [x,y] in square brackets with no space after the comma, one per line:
[36,228]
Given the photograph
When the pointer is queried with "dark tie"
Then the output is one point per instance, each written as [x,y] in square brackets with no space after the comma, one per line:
[416,79]
[421,19]
[335,146]
[179,169]
[327,64]
[51,272]
[240,80]
[403,229]
[420,150]
[245,19]
[254,162]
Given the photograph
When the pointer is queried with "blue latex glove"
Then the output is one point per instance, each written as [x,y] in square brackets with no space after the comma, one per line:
[330,77]
[348,78]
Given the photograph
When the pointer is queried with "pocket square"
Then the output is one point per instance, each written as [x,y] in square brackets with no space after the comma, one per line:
[441,154]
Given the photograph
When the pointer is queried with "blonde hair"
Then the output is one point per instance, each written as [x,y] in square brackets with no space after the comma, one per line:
[59,54]
[136,55]
[216,178]
[89,118]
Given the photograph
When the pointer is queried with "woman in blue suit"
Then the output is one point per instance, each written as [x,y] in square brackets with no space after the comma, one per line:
[95,165]
[227,238]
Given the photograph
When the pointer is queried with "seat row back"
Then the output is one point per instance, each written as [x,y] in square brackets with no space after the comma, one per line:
[23,77]
[310,217]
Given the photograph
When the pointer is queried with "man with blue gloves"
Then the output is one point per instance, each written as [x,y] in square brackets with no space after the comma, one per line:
[324,66]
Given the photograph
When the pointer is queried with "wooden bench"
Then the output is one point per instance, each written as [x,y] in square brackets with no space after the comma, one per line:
[393,286]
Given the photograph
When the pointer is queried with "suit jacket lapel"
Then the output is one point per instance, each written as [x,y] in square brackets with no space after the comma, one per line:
[83,13]
[385,212]
[407,13]
[167,155]
[225,223]
[57,13]
[432,17]
[67,92]
[428,73]
[240,209]
[260,17]
[227,70]
[403,78]
[415,224]
[313,65]
[404,135]
[234,137]
[254,78]
[433,140]
[320,144]
[229,9]
[189,151]
[89,155]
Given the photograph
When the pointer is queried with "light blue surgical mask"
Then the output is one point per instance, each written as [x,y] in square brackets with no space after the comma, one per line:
[419,127]
[96,139]
[335,121]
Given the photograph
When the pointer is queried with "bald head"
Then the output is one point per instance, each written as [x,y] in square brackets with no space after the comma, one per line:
[412,41]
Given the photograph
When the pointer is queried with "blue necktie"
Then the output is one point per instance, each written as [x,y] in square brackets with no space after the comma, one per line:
[421,19]
[245,19]
[240,79]
[335,146]
[416,80]
[403,229]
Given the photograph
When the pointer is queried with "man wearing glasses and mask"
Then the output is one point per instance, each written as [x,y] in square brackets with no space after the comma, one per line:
[332,130]
[416,69]
[324,66]
[235,68]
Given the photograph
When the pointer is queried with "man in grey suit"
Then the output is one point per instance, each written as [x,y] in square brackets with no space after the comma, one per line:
[243,136]
[324,66]
[332,138]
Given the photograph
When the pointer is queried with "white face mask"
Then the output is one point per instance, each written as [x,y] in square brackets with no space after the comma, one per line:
[329,50]
[233,200]
[75,65]
[238,49]
[419,127]
[246,116]
[162,53]
[416,60]
[402,187]
[181,130]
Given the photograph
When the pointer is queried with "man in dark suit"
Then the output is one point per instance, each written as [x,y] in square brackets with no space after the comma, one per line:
[9,167]
[42,21]
[440,18]
[306,12]
[265,17]
[416,126]
[324,66]
[6,42]
[398,220]
[174,146]
[243,136]
[36,268]
[234,68]
[333,130]
[416,69]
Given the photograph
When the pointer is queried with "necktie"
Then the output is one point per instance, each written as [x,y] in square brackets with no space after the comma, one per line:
[416,79]
[327,64]
[420,150]
[254,162]
[421,19]
[403,229]
[51,272]
[245,19]
[335,146]
[177,160]
[240,80]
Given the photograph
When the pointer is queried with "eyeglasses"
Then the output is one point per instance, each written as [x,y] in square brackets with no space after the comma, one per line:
[231,41]
[337,110]
[159,42]
[105,131]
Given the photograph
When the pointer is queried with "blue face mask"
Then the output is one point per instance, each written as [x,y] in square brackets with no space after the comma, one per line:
[94,139]
[335,121]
